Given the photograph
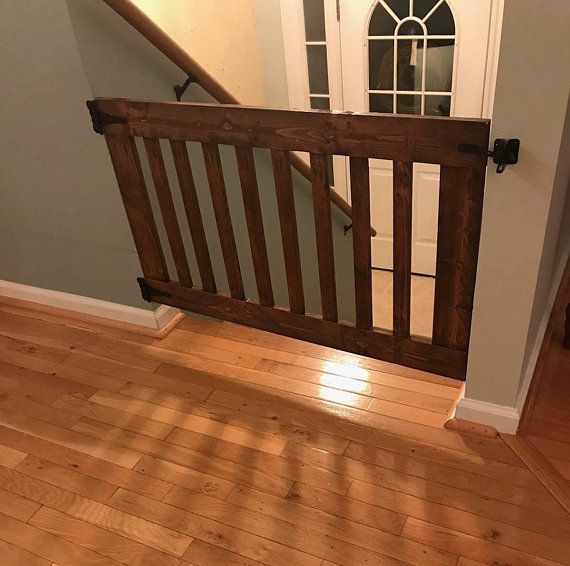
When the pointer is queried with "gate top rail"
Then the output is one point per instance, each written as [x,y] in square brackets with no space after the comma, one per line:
[425,139]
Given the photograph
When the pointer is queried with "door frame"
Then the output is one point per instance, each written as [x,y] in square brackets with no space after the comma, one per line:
[293,30]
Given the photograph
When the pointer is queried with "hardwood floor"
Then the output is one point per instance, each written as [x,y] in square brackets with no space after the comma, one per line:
[544,434]
[226,445]
[549,425]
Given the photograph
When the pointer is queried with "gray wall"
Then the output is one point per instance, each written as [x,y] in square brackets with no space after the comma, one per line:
[62,222]
[108,58]
[521,216]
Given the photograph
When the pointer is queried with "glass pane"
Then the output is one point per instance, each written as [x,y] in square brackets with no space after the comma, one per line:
[320,103]
[411,27]
[410,64]
[423,7]
[439,65]
[314,11]
[438,105]
[383,103]
[400,7]
[318,72]
[381,23]
[409,104]
[441,21]
[381,64]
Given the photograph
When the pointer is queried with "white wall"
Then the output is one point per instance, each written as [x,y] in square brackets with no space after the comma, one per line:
[521,219]
[221,35]
[271,53]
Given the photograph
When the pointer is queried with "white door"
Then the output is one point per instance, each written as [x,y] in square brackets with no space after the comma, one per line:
[413,57]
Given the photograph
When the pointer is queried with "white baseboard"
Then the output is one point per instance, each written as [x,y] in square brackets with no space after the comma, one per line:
[504,419]
[154,320]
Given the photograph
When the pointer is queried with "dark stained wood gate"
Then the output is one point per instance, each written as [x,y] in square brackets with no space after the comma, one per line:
[401,139]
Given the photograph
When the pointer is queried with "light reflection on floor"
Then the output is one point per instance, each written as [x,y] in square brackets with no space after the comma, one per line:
[348,370]
[340,396]
[343,388]
[345,383]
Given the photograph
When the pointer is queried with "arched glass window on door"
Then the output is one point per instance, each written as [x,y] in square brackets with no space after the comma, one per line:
[410,57]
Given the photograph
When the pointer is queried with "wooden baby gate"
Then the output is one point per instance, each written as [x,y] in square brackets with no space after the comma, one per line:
[401,139]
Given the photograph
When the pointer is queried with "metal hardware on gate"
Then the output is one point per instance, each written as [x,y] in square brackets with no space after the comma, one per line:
[179,90]
[100,119]
[505,152]
[148,291]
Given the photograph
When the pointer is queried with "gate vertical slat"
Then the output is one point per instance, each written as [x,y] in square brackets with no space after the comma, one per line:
[459,227]
[223,219]
[360,193]
[130,178]
[289,234]
[402,212]
[162,188]
[254,219]
[324,236]
[193,215]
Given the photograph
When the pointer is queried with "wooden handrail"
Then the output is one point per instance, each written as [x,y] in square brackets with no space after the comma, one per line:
[164,43]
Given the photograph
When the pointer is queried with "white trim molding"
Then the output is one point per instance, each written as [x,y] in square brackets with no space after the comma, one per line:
[152,322]
[493,49]
[504,419]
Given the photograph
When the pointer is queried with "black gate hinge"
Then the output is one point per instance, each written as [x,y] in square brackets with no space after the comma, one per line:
[148,291]
[179,90]
[100,118]
[505,152]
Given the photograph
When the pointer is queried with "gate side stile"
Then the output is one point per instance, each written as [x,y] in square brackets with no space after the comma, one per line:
[459,229]
[135,197]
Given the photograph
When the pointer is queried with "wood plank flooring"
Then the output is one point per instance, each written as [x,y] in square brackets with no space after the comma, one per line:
[547,425]
[223,445]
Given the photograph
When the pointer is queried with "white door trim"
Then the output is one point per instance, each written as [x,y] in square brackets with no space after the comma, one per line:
[493,48]
[296,64]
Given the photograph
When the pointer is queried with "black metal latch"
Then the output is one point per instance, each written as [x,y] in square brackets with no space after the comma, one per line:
[148,292]
[505,152]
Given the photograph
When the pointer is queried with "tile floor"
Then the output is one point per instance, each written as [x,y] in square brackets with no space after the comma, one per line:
[422,302]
